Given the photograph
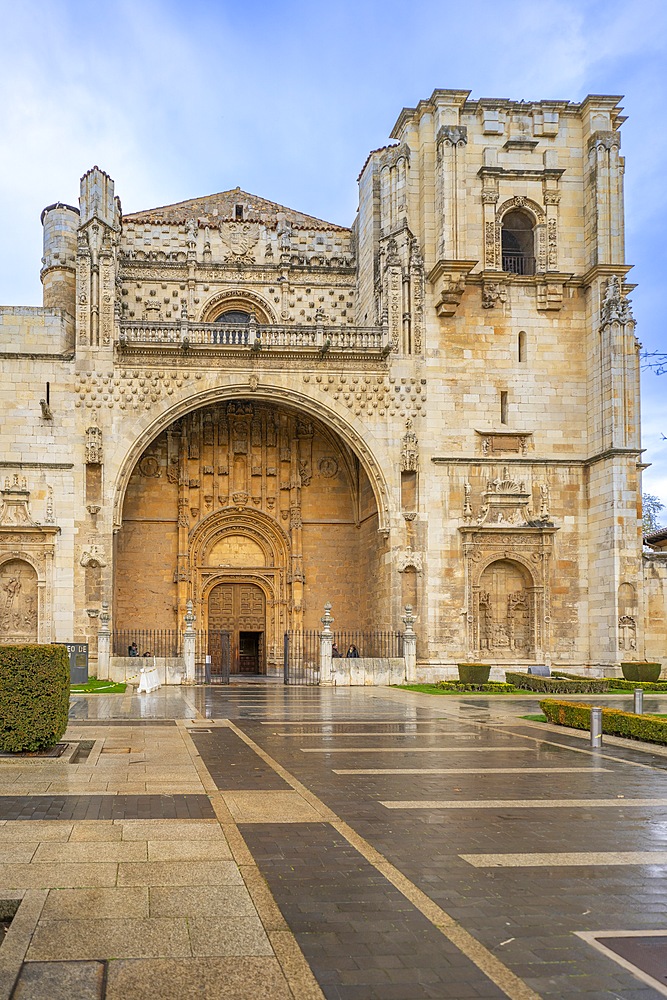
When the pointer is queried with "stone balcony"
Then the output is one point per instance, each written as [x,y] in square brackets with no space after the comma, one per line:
[217,338]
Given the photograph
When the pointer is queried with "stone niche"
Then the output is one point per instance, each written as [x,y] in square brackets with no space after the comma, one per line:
[507,555]
[507,594]
[26,567]
[505,610]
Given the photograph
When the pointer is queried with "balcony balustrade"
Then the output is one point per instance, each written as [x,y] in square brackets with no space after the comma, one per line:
[185,335]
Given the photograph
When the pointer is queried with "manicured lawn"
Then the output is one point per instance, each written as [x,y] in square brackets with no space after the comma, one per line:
[93,686]
[535,718]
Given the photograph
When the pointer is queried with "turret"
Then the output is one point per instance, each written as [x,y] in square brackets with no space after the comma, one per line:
[58,272]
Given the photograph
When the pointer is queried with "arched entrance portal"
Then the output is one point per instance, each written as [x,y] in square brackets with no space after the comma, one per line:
[258,514]
[240,609]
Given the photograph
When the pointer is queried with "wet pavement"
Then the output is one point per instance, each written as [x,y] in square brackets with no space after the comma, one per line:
[412,846]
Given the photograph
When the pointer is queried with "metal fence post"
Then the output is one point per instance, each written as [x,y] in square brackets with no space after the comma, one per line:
[286,658]
[189,642]
[596,727]
[638,707]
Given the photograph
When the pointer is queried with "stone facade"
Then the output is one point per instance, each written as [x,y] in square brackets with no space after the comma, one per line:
[230,402]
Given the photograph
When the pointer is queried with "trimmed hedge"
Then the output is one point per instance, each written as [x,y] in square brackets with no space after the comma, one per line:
[557,685]
[618,683]
[474,673]
[623,685]
[641,670]
[614,722]
[34,696]
[497,686]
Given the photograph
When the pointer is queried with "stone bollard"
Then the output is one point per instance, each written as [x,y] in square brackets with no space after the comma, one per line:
[409,646]
[638,707]
[103,644]
[326,646]
[189,641]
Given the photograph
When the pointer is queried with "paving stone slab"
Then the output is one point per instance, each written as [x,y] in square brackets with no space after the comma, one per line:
[191,979]
[70,807]
[60,981]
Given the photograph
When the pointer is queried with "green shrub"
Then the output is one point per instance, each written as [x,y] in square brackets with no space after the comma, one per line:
[614,722]
[474,673]
[497,686]
[641,670]
[557,685]
[619,684]
[34,696]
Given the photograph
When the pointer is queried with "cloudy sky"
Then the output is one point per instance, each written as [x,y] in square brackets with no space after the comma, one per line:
[176,99]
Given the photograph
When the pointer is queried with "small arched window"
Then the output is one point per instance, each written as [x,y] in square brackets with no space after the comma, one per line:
[233,316]
[518,243]
[522,346]
[233,327]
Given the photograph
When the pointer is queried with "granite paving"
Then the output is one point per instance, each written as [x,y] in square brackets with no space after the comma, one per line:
[260,841]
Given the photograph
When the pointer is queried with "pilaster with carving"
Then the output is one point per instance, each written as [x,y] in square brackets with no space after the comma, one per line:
[451,143]
[605,195]
[619,360]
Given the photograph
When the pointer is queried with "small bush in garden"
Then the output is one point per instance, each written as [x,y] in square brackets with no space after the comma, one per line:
[34,696]
[614,722]
[494,686]
[641,670]
[557,685]
[474,673]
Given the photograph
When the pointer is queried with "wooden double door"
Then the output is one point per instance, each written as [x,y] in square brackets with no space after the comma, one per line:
[240,609]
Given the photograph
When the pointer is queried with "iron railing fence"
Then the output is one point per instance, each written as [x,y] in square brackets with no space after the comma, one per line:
[301,657]
[212,656]
[518,263]
[368,643]
[301,661]
[162,642]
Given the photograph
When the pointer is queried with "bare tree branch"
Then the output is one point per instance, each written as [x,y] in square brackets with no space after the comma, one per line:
[655,361]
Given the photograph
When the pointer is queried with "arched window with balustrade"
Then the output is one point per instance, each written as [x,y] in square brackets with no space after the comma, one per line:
[518,242]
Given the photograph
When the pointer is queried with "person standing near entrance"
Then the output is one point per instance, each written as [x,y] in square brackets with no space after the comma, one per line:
[352,651]
[335,650]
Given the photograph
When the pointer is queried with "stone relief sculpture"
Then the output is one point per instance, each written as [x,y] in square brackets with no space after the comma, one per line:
[615,308]
[18,602]
[15,508]
[93,446]
[627,632]
[505,613]
[409,449]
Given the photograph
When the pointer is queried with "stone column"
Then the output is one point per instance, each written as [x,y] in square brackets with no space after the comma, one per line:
[410,646]
[189,639]
[103,643]
[326,645]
